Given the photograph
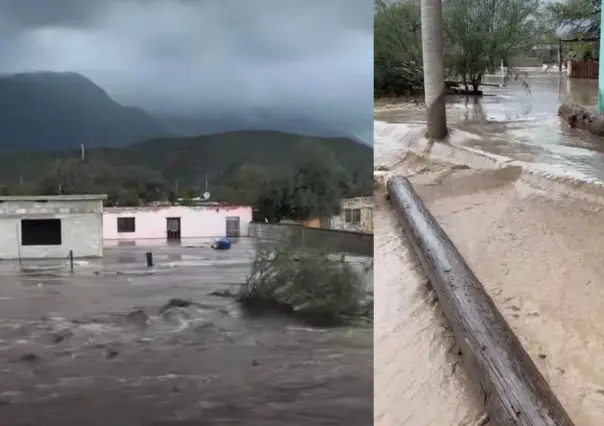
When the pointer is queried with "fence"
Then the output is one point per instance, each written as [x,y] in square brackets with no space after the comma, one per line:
[330,240]
[582,69]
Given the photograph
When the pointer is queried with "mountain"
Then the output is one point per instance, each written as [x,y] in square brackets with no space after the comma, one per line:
[187,125]
[190,160]
[51,110]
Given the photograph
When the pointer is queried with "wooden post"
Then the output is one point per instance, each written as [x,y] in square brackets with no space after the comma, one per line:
[71,261]
[559,55]
[515,392]
[149,256]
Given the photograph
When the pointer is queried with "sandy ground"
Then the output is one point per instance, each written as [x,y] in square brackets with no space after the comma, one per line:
[539,255]
[98,348]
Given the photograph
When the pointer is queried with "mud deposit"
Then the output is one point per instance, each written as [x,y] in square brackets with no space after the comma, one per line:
[537,252]
[104,347]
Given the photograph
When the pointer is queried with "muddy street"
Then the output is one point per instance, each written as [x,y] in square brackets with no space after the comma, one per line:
[526,214]
[107,346]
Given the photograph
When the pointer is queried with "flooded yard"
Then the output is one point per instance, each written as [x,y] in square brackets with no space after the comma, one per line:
[120,343]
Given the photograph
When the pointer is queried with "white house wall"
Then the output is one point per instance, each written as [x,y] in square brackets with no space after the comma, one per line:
[81,228]
[195,222]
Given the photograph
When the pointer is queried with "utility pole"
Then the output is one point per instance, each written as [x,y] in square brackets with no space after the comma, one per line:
[434,68]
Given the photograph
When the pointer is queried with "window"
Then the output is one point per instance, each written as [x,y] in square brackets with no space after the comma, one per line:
[41,232]
[125,224]
[352,215]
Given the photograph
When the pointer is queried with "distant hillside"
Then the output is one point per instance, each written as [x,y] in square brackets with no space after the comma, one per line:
[49,110]
[188,160]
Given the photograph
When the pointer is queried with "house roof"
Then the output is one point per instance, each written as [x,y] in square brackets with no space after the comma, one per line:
[578,30]
[83,197]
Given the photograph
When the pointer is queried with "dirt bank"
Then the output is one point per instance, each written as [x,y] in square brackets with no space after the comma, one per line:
[538,253]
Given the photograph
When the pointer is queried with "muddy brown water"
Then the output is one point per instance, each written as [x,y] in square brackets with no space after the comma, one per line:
[536,248]
[95,348]
[511,122]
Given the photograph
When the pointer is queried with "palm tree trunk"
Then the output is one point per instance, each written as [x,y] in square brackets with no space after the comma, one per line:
[434,68]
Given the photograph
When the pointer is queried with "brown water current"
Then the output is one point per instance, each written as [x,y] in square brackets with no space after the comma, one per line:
[537,249]
[117,343]
[511,122]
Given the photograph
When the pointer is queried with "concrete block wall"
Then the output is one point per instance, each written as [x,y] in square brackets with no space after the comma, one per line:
[81,228]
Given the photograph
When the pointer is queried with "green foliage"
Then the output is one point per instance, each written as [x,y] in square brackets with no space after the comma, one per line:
[580,51]
[308,284]
[478,35]
[312,187]
[397,48]
[130,185]
[281,175]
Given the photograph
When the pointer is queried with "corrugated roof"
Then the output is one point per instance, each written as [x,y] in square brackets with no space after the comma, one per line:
[583,29]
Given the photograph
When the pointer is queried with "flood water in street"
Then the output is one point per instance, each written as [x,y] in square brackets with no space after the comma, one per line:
[522,126]
[536,248]
[107,346]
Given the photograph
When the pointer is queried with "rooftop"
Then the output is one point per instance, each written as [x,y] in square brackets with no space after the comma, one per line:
[578,30]
[46,198]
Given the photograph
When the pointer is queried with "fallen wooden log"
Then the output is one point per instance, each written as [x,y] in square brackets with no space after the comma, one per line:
[582,118]
[515,392]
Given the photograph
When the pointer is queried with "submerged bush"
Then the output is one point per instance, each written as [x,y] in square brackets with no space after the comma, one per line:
[307,283]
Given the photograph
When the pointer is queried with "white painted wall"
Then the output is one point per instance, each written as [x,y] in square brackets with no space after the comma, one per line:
[195,221]
[81,228]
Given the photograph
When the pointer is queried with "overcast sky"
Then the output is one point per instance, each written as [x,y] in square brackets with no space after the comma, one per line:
[313,58]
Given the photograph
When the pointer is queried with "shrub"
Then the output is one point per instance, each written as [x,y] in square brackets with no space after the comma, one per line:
[307,283]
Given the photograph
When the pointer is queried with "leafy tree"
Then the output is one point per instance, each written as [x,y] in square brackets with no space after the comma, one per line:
[317,184]
[479,33]
[397,48]
[312,188]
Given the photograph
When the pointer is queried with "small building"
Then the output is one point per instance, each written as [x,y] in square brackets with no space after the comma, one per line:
[174,223]
[356,214]
[49,227]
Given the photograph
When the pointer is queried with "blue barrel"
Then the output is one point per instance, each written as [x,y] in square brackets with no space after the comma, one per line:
[222,244]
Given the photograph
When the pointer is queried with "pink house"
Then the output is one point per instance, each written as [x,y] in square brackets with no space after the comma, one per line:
[175,222]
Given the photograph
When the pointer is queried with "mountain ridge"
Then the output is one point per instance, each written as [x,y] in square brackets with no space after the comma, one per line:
[45,110]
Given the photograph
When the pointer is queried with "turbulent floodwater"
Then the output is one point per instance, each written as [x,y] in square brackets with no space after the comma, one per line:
[522,126]
[105,347]
[535,246]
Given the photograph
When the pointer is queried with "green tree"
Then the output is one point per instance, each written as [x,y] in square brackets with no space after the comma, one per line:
[313,187]
[397,48]
[479,33]
[317,183]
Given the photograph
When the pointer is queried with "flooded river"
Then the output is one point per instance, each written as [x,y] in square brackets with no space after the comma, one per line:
[108,346]
[518,220]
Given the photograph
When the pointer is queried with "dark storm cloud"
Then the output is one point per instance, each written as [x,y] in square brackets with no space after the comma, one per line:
[311,58]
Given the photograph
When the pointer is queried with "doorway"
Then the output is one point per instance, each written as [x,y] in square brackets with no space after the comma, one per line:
[173,228]
[233,227]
